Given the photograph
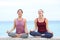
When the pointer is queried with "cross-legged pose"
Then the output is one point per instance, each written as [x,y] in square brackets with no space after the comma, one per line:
[20,26]
[41,25]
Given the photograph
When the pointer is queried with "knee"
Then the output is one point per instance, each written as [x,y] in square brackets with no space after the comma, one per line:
[31,32]
[26,35]
[50,35]
[9,34]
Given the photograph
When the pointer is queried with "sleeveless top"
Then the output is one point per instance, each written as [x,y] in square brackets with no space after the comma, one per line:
[41,26]
[20,26]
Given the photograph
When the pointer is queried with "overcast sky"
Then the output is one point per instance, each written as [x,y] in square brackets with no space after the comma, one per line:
[8,9]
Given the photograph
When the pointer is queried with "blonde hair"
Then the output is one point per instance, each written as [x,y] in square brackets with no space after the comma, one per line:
[41,10]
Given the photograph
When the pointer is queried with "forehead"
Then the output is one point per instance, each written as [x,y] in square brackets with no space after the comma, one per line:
[19,10]
[40,10]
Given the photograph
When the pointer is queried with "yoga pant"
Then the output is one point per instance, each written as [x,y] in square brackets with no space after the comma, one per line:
[24,35]
[44,35]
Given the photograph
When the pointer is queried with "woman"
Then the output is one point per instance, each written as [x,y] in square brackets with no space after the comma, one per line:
[41,24]
[20,25]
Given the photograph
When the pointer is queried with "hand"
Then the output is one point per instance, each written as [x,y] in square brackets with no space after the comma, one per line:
[51,32]
[8,32]
[32,30]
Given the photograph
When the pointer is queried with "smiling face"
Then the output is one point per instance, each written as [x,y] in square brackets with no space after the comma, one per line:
[40,13]
[20,12]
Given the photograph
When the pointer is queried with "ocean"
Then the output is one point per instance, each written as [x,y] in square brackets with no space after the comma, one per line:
[54,26]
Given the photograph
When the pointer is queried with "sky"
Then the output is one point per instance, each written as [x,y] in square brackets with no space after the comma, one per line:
[8,9]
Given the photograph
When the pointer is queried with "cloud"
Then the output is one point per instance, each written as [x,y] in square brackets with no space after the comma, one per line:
[30,8]
[3,3]
[28,2]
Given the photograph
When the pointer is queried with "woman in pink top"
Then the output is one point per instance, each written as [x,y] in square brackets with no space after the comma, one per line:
[20,25]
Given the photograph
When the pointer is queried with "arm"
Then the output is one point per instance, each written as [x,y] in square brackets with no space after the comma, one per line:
[47,26]
[13,26]
[35,26]
[35,23]
[26,30]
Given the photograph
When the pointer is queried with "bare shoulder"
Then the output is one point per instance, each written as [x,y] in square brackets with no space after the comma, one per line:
[35,20]
[46,20]
[24,19]
[15,19]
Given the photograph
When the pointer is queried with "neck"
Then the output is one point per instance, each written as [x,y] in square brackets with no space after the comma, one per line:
[40,17]
[20,17]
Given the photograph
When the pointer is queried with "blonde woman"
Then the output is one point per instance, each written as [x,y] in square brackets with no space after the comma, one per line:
[41,24]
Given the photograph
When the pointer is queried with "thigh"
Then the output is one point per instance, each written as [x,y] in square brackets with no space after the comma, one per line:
[33,33]
[48,35]
[12,34]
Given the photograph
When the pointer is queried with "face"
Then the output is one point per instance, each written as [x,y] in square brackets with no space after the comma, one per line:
[40,12]
[19,13]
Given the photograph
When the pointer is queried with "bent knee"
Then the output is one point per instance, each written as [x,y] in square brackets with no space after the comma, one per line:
[31,32]
[50,35]
[11,34]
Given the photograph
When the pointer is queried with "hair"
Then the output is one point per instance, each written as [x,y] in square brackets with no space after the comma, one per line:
[41,10]
[20,10]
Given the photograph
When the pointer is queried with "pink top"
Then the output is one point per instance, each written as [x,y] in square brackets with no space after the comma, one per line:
[20,26]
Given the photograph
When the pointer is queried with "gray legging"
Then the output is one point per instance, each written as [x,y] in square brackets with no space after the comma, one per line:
[24,35]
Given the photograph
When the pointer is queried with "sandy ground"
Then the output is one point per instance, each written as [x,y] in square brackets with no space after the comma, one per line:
[29,38]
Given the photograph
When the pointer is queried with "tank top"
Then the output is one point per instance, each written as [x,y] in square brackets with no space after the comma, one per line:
[41,26]
[20,26]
